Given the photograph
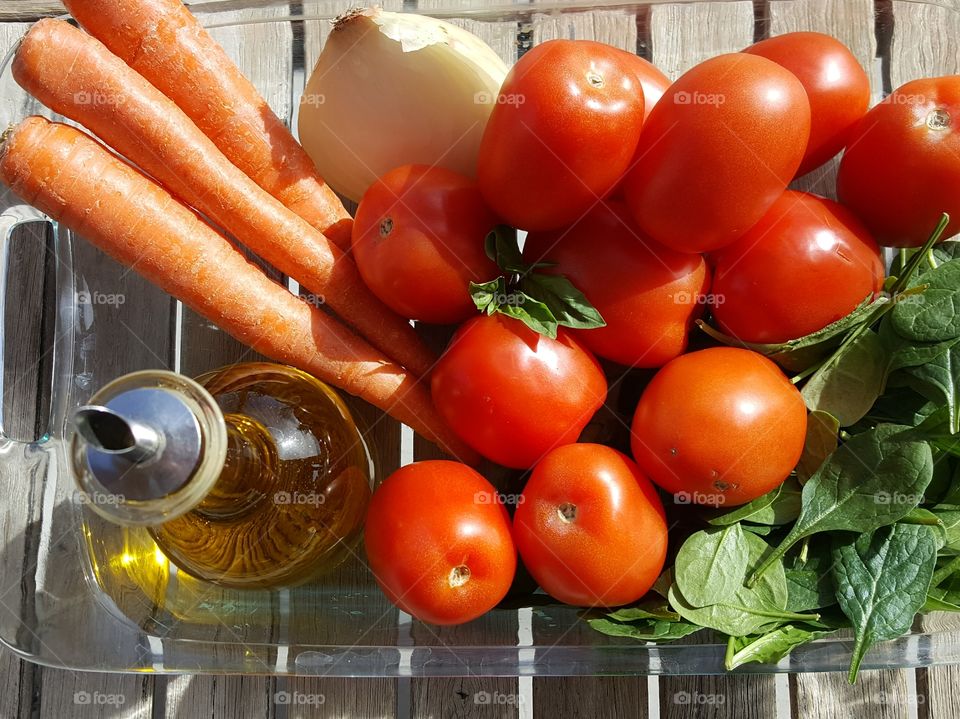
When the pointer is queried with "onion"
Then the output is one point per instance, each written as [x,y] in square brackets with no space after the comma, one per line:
[393,89]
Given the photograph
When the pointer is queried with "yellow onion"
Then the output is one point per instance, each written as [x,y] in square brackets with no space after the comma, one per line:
[392,89]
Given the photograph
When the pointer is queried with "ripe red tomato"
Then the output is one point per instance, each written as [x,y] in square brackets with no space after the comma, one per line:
[591,529]
[649,295]
[439,543]
[562,133]
[653,82]
[716,152]
[807,263]
[514,395]
[720,427]
[836,85]
[901,169]
[418,242]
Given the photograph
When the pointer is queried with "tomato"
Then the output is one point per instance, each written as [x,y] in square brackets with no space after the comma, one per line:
[836,85]
[720,427]
[439,542]
[807,263]
[717,151]
[590,527]
[514,395]
[562,133]
[418,242]
[652,81]
[649,295]
[901,169]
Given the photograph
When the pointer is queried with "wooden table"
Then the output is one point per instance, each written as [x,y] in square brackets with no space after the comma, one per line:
[664,34]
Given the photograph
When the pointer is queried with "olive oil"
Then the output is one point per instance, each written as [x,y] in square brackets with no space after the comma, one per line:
[284,499]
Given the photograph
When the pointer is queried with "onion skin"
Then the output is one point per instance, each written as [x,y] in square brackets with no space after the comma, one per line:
[392,89]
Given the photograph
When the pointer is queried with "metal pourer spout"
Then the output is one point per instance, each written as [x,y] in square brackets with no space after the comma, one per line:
[113,434]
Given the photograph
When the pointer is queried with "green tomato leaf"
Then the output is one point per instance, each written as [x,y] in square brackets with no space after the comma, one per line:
[502,246]
[565,301]
[823,431]
[768,648]
[535,315]
[872,480]
[850,382]
[485,294]
[937,317]
[882,580]
[711,565]
[778,506]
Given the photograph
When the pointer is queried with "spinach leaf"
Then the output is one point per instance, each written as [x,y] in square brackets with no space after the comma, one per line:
[649,608]
[769,648]
[872,480]
[778,506]
[849,383]
[822,434]
[949,516]
[937,317]
[810,582]
[711,565]
[748,609]
[649,630]
[940,374]
[882,580]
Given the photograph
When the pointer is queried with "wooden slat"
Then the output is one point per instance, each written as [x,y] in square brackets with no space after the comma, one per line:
[685,34]
[926,41]
[204,696]
[614,27]
[876,695]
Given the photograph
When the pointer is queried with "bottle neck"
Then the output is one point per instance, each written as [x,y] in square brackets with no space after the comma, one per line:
[201,473]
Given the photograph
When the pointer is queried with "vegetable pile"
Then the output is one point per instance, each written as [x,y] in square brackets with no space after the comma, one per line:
[718,406]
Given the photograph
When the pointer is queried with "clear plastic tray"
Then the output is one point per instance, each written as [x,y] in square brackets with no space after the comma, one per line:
[76,592]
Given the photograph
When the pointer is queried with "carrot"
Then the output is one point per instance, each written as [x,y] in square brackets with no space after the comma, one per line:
[75,180]
[75,75]
[164,42]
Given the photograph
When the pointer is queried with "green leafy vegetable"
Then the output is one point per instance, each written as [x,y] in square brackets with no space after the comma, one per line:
[650,630]
[882,580]
[748,609]
[937,317]
[711,566]
[769,648]
[872,480]
[848,384]
[778,506]
[543,302]
[822,435]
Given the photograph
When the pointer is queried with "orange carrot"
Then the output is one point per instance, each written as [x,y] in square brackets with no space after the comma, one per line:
[75,180]
[164,42]
[75,75]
